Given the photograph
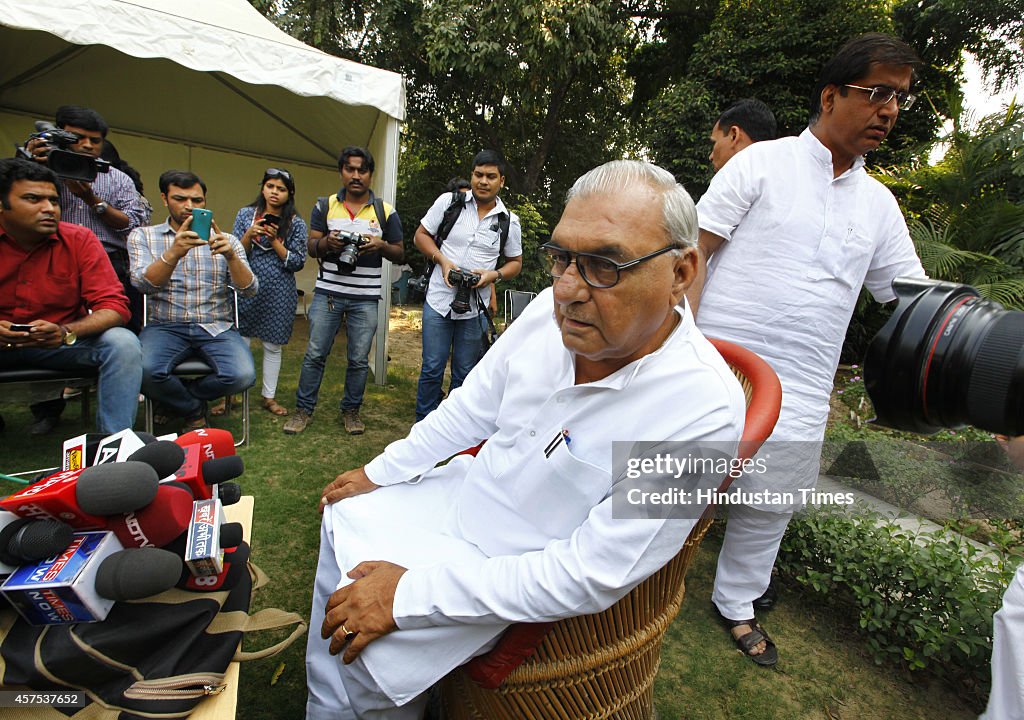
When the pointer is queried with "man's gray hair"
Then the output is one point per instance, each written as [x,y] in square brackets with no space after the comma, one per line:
[678,213]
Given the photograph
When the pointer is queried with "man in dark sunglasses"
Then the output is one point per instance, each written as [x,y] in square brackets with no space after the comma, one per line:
[793,228]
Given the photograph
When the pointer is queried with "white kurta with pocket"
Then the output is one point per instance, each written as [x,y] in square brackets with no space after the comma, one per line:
[524,532]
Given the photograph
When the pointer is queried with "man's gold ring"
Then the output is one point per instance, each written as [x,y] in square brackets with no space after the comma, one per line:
[346,630]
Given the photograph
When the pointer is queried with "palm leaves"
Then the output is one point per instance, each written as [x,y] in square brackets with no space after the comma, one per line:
[966,213]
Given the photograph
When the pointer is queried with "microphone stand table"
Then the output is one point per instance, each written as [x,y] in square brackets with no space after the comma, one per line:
[223,705]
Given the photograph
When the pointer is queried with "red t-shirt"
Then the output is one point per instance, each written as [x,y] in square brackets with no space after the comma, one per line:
[58,280]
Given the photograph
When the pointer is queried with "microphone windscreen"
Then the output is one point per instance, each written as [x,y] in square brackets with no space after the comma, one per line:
[163,456]
[116,488]
[37,540]
[137,573]
[229,493]
[230,534]
[145,436]
[215,442]
[222,469]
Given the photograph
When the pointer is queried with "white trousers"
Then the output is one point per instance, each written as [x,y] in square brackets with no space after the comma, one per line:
[271,366]
[752,539]
[1006,702]
[338,691]
[403,524]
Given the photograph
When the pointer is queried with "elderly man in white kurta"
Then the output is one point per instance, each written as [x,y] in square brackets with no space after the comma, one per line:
[525,531]
[794,227]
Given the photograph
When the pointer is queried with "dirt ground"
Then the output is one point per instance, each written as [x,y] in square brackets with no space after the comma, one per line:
[405,328]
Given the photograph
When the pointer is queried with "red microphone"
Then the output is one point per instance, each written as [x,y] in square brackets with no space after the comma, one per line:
[213,442]
[201,475]
[82,498]
[159,522]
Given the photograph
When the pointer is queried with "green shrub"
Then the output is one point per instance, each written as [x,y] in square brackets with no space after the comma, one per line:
[924,600]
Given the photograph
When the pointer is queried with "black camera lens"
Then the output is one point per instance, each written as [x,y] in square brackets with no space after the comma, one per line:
[347,258]
[947,358]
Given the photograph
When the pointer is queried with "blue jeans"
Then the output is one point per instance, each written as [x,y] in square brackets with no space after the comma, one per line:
[118,356]
[325,317]
[165,345]
[443,336]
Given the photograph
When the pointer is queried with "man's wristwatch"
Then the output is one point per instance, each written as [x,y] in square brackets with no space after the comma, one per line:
[100,207]
[70,338]
[500,276]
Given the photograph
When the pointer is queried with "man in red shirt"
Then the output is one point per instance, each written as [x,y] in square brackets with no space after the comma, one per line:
[61,305]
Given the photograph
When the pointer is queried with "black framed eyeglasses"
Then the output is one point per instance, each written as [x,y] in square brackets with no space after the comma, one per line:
[597,271]
[882,95]
[277,173]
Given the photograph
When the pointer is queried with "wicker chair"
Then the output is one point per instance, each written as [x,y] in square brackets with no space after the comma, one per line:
[603,665]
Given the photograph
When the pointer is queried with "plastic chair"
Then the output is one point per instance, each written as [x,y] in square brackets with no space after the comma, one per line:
[602,665]
[515,302]
[195,367]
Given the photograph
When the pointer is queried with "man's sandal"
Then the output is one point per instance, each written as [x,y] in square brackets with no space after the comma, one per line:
[748,641]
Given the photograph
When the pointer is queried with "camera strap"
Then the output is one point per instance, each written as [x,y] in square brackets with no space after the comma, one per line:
[490,335]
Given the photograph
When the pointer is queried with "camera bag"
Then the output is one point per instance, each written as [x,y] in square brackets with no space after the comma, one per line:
[151,658]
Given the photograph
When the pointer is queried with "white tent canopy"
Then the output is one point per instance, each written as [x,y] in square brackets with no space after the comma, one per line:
[206,85]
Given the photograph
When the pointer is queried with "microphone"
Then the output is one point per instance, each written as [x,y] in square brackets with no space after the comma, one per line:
[231,535]
[116,488]
[229,493]
[235,563]
[82,497]
[158,523]
[145,436]
[137,573]
[163,456]
[213,442]
[201,475]
[25,540]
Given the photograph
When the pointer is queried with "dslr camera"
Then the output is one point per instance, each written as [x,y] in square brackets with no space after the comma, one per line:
[66,163]
[347,257]
[947,358]
[463,282]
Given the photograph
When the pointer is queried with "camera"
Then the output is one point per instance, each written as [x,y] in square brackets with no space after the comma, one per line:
[463,282]
[947,358]
[419,283]
[66,163]
[349,253]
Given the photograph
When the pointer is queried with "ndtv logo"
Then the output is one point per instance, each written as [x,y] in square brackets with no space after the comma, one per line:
[131,523]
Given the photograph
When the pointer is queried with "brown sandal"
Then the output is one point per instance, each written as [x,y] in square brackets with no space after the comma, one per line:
[270,405]
[223,406]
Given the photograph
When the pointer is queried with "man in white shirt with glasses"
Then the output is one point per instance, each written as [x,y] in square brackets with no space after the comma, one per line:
[791,230]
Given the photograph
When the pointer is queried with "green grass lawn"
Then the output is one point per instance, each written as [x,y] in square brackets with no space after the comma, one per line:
[823,671]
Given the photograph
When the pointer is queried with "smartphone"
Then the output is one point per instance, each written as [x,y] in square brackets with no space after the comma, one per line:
[18,327]
[270,219]
[201,222]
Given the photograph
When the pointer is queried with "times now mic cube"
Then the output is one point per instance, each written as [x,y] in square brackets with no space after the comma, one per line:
[62,589]
[203,553]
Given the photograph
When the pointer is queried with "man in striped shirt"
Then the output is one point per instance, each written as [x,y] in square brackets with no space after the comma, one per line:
[190,282]
[346,290]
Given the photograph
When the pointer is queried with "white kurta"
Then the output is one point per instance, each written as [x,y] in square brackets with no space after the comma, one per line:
[800,244]
[521,534]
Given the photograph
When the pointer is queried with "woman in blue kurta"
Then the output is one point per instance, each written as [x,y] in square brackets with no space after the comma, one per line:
[277,250]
